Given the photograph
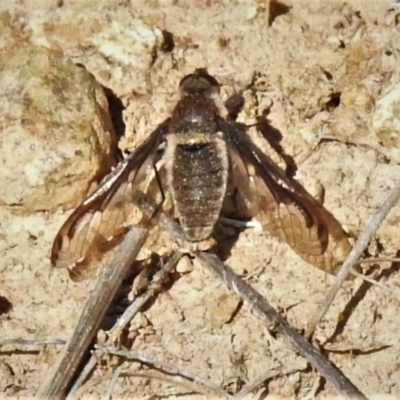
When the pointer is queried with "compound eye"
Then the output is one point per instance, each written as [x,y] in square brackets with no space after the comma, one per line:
[200,82]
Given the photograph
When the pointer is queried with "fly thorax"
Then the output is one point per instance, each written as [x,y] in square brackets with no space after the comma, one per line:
[197,170]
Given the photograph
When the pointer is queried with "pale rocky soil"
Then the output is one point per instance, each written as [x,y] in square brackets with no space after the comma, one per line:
[311,54]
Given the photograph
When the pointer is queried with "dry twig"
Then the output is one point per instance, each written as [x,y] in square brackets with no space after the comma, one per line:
[326,368]
[31,342]
[357,250]
[168,369]
[127,316]
[92,314]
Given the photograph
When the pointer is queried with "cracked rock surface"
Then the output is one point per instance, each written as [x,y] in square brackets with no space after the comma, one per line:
[56,133]
[328,76]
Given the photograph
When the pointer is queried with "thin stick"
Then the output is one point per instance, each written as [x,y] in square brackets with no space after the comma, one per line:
[80,380]
[93,312]
[190,386]
[113,381]
[33,342]
[357,250]
[256,383]
[376,260]
[165,367]
[127,316]
[325,367]
[374,282]
[155,285]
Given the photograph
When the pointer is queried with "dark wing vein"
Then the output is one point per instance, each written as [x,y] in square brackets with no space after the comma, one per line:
[282,205]
[106,213]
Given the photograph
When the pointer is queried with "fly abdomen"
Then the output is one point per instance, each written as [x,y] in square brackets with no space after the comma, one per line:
[197,168]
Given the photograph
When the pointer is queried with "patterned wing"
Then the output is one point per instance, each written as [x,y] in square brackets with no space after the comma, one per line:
[282,205]
[104,216]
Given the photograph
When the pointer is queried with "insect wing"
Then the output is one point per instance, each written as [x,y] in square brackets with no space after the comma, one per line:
[282,205]
[106,214]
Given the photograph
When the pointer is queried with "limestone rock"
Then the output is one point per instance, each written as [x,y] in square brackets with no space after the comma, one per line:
[56,135]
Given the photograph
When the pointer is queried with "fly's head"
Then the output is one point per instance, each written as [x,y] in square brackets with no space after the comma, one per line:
[196,111]
[200,83]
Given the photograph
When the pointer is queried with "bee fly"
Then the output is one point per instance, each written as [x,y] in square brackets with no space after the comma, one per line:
[196,158]
[202,161]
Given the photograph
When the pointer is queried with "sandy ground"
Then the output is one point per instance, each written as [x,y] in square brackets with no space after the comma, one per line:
[331,72]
